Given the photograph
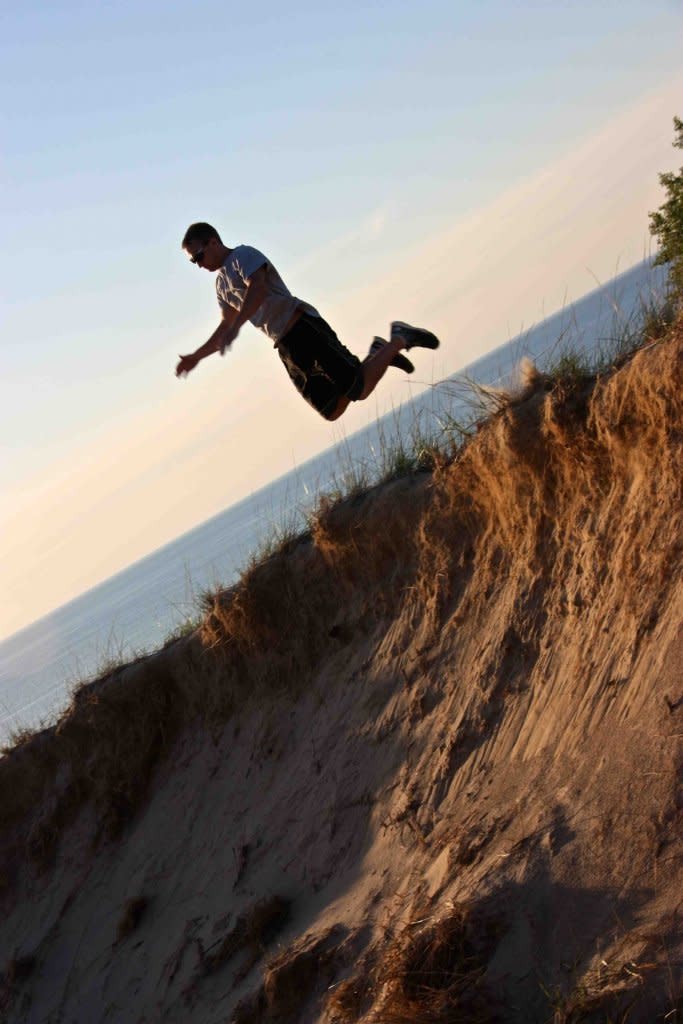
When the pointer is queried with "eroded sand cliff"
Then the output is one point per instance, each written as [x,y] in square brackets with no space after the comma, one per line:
[423,765]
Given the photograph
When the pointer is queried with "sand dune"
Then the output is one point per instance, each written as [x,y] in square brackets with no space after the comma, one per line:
[422,765]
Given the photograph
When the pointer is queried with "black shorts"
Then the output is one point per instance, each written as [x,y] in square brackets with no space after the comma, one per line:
[320,367]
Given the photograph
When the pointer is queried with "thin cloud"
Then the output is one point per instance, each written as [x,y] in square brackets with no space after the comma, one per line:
[369,230]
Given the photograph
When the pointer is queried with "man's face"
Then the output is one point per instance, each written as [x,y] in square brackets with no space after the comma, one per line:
[207,255]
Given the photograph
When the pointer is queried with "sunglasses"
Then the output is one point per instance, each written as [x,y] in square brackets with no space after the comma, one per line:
[198,257]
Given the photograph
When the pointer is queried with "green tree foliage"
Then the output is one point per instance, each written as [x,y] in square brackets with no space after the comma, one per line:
[667,222]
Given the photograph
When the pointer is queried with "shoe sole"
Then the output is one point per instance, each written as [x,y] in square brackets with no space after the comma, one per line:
[399,360]
[414,337]
[402,363]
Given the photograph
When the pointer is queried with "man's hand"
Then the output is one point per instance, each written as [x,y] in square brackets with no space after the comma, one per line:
[186,365]
[229,327]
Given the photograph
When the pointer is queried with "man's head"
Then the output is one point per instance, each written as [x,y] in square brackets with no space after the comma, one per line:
[203,245]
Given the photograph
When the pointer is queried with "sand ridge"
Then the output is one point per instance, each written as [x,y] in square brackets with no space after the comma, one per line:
[422,765]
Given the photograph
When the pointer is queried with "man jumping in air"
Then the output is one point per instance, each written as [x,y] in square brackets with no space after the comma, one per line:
[322,370]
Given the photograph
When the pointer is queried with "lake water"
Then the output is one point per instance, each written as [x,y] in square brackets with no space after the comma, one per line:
[140,606]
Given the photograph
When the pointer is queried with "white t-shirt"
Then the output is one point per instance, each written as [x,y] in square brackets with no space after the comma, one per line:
[276,311]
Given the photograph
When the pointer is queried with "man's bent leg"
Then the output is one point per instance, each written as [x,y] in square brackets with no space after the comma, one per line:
[374,367]
[377,364]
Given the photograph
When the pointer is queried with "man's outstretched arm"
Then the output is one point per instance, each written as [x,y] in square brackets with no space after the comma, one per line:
[220,338]
[229,327]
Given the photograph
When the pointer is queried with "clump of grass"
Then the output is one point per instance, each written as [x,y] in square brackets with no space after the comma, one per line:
[649,987]
[477,403]
[276,542]
[349,999]
[189,625]
[402,451]
[291,978]
[572,367]
[437,975]
[350,478]
[428,976]
[398,450]
[649,322]
[656,315]
[20,738]
[112,658]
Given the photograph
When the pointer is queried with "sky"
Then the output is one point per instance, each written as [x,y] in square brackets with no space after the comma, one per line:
[469,167]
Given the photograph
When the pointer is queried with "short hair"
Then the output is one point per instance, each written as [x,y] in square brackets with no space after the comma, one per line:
[200,233]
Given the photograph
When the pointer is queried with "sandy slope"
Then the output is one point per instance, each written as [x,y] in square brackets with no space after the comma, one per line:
[423,766]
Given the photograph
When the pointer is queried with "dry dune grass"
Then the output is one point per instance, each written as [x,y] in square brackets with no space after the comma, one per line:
[104,749]
[495,638]
[289,978]
[303,594]
[542,465]
[432,973]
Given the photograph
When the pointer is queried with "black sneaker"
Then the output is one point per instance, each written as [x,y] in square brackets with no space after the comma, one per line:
[414,337]
[398,360]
